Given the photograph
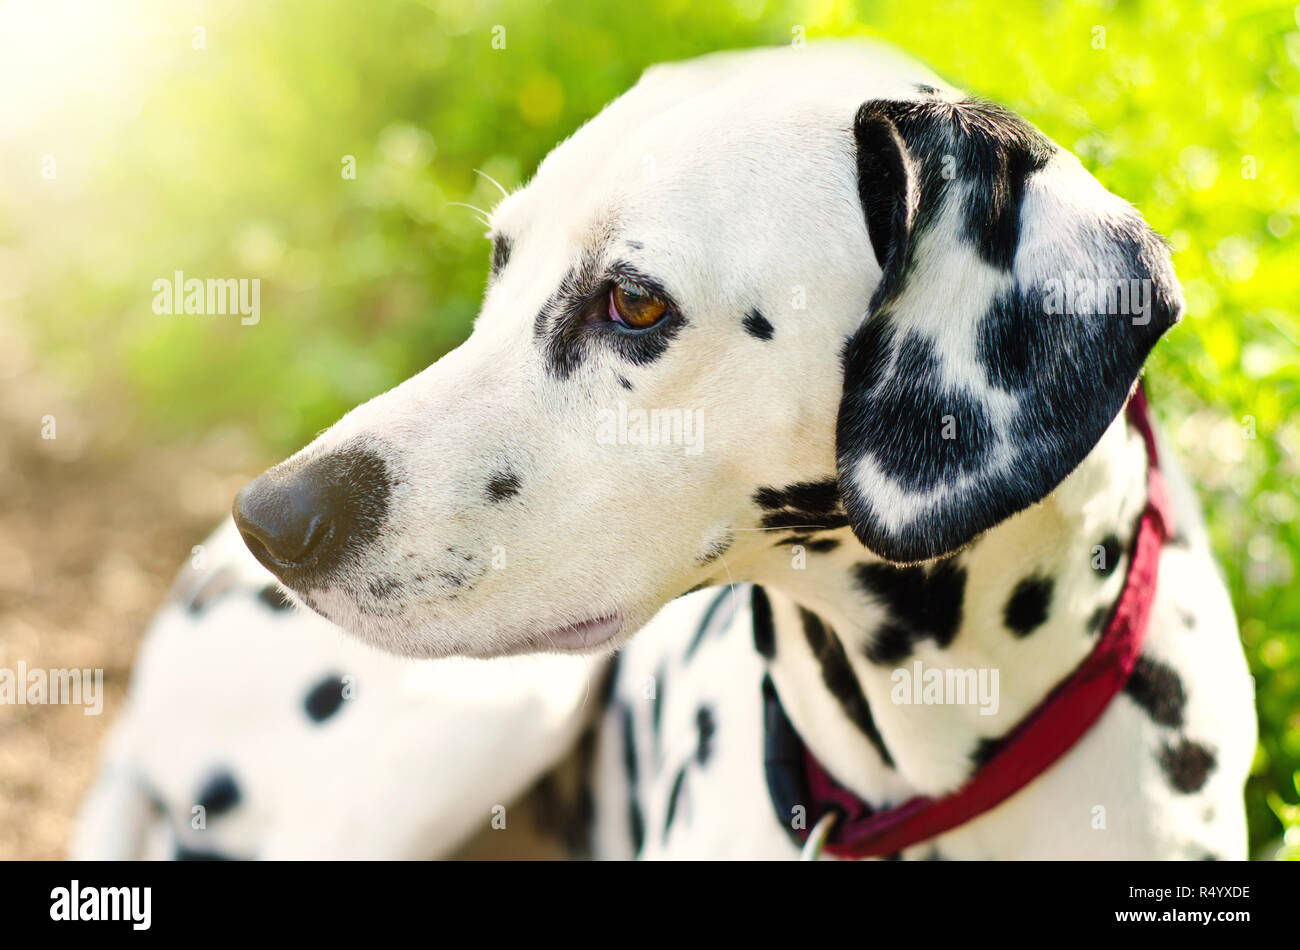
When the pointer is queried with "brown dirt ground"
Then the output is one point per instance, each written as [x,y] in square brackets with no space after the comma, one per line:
[94,524]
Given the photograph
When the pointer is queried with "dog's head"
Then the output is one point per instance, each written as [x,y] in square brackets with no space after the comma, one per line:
[756,287]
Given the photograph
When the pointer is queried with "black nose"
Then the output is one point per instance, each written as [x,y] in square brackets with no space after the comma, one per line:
[285,515]
[300,521]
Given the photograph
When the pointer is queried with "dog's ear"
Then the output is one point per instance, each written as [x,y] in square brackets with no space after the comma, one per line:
[1017,304]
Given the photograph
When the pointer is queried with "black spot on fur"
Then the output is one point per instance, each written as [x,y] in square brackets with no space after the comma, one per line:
[1187,765]
[756,325]
[584,800]
[610,683]
[273,597]
[882,188]
[792,540]
[764,631]
[562,322]
[1016,351]
[452,579]
[817,545]
[922,603]
[1098,620]
[705,726]
[971,146]
[503,486]
[1159,690]
[385,586]
[1028,607]
[839,678]
[657,703]
[803,508]
[219,794]
[324,699]
[814,498]
[923,434]
[1110,555]
[804,521]
[890,644]
[984,751]
[501,247]
[1034,355]
[625,382]
[725,597]
[635,821]
[674,796]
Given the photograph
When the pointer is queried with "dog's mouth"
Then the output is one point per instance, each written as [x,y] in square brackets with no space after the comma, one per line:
[401,630]
[581,637]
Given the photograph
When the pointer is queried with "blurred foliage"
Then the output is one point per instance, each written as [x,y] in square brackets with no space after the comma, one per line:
[226,160]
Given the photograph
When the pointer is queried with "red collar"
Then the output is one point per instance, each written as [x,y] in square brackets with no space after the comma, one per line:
[1028,750]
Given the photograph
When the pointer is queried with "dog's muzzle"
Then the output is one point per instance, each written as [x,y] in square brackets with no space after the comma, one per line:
[302,522]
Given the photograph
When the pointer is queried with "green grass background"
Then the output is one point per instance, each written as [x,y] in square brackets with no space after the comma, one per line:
[225,161]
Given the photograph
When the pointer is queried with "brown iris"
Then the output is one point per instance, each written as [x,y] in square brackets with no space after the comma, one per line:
[635,310]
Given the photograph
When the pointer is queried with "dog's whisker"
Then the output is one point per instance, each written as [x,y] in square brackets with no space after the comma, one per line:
[731,585]
[481,215]
[500,187]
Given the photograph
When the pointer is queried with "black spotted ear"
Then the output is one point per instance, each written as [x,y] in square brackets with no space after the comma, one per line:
[1017,304]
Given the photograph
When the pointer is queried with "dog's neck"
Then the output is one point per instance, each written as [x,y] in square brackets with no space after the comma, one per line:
[868,658]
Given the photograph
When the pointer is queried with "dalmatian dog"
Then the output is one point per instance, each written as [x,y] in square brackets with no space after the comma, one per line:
[799,381]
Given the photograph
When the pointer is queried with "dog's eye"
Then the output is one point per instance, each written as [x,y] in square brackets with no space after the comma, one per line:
[635,310]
